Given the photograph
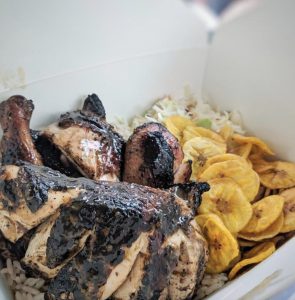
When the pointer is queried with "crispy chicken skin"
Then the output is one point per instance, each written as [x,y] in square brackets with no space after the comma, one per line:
[28,195]
[97,232]
[16,143]
[153,157]
[124,222]
[88,141]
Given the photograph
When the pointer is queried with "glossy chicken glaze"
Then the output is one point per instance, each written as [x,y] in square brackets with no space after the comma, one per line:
[16,143]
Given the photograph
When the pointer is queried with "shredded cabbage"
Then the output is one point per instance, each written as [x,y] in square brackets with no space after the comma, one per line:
[189,106]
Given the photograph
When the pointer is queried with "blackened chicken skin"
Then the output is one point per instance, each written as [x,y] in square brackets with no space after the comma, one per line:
[88,141]
[52,157]
[30,194]
[16,143]
[99,233]
[153,157]
[121,222]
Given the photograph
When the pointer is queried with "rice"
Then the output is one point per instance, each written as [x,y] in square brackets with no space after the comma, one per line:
[22,287]
[210,284]
[188,106]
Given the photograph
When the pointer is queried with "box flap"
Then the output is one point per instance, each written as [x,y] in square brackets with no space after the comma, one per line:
[251,67]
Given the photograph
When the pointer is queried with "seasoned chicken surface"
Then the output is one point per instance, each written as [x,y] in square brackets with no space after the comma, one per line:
[16,143]
[88,141]
[153,157]
[99,233]
[127,221]
[28,195]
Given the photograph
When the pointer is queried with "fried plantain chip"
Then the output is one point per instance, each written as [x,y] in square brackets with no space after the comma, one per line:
[268,233]
[244,176]
[242,150]
[254,256]
[226,132]
[265,212]
[223,247]
[226,199]
[224,157]
[245,243]
[276,174]
[176,124]
[289,210]
[199,149]
[240,139]
[194,131]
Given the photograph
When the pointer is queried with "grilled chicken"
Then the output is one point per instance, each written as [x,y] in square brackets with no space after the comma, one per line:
[16,143]
[153,157]
[88,141]
[100,233]
[28,195]
[125,222]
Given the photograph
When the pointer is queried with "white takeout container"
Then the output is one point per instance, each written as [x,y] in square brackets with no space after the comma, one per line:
[131,52]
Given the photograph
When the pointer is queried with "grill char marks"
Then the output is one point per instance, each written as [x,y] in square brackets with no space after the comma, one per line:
[123,212]
[29,194]
[16,143]
[93,104]
[88,141]
[96,232]
[154,157]
[52,157]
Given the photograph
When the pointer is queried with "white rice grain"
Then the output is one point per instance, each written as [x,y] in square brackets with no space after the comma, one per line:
[22,287]
[210,284]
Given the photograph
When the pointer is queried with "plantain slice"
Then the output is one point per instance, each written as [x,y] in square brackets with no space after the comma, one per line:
[242,150]
[176,124]
[265,212]
[254,256]
[223,247]
[275,174]
[240,139]
[195,131]
[226,132]
[289,210]
[226,199]
[245,243]
[268,233]
[244,176]
[224,157]
[199,149]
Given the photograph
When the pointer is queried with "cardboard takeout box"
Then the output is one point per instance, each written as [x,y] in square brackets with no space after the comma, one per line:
[131,52]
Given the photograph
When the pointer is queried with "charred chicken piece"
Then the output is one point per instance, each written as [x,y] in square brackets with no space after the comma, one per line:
[133,233]
[93,236]
[153,157]
[88,141]
[16,143]
[29,194]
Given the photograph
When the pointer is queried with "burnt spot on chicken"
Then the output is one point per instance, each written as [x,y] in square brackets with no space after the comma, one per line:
[94,105]
[191,192]
[89,142]
[153,157]
[52,157]
[72,223]
[29,194]
[16,143]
